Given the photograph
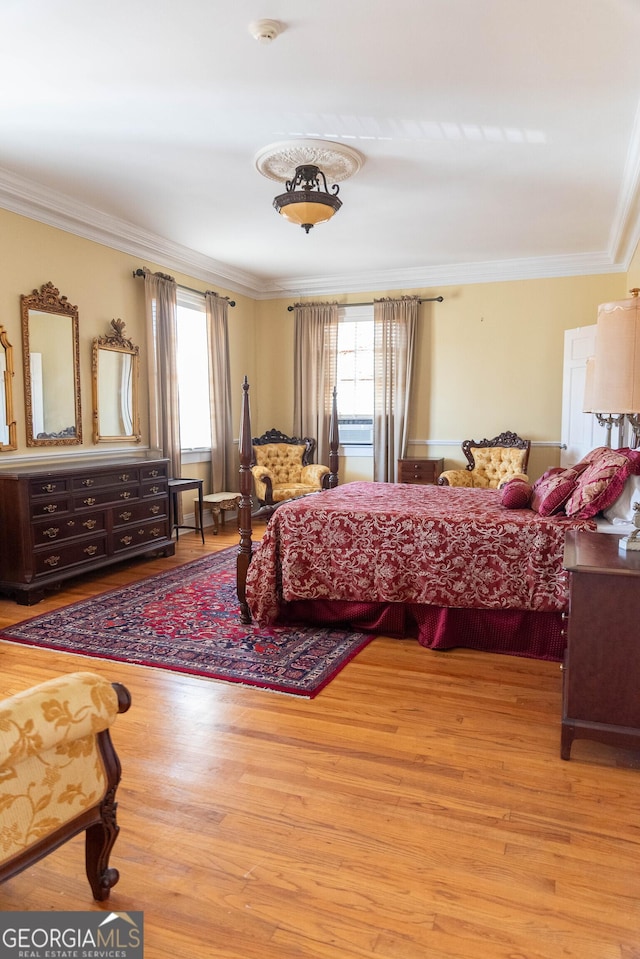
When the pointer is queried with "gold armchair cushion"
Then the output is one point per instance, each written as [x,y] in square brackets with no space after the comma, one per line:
[51,769]
[456,478]
[281,463]
[312,475]
[494,464]
[283,460]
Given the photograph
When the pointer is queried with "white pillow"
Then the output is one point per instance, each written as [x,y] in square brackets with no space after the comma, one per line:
[621,510]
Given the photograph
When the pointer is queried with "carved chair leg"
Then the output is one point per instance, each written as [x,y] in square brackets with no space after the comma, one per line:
[99,840]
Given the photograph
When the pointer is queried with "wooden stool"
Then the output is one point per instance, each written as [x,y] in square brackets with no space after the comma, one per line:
[218,503]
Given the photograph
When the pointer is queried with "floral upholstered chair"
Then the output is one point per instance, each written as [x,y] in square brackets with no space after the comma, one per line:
[492,463]
[283,468]
[59,773]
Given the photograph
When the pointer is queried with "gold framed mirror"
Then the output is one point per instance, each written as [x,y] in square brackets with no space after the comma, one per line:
[8,434]
[115,371]
[51,356]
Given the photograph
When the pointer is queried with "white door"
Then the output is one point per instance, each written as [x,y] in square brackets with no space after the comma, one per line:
[580,432]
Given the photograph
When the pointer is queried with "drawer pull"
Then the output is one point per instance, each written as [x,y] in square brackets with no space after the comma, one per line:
[48,488]
[52,561]
[89,501]
[124,477]
[126,495]
[155,489]
[71,523]
[52,532]
[154,509]
[50,508]
[126,540]
[125,516]
[90,523]
[90,550]
[154,473]
[87,482]
[155,531]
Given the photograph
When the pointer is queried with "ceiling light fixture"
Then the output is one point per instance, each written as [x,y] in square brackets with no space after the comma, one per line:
[304,166]
[306,201]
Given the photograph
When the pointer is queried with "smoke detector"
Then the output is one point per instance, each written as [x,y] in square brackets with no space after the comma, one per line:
[265,31]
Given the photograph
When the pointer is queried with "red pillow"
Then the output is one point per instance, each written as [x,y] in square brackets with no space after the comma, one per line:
[550,472]
[602,482]
[552,490]
[515,494]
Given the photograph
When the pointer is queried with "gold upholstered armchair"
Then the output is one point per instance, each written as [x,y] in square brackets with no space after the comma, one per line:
[59,773]
[491,463]
[283,468]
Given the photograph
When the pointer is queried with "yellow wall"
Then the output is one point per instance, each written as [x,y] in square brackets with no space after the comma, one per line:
[489,357]
[99,281]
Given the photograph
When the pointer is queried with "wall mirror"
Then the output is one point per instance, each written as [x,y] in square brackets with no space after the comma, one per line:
[116,415]
[8,436]
[51,355]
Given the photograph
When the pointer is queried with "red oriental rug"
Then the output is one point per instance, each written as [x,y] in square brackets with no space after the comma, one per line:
[187,620]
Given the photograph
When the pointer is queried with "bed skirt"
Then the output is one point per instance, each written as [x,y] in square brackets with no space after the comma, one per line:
[510,631]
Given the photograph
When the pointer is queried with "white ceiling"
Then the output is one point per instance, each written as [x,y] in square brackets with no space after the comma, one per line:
[501,137]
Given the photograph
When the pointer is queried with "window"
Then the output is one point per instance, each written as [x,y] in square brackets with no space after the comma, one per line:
[355,376]
[193,372]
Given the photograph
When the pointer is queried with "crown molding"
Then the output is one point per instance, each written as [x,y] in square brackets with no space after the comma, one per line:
[625,229]
[456,274]
[36,202]
[30,199]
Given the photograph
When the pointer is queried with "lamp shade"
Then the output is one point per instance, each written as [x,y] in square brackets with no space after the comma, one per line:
[617,359]
[304,208]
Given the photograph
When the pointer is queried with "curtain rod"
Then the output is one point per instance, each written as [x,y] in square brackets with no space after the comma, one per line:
[140,272]
[423,299]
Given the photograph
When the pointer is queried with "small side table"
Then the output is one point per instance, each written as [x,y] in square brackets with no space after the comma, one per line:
[601,673]
[176,487]
[218,503]
[421,470]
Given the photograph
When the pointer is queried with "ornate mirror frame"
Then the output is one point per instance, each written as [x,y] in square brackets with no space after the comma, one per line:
[8,432]
[52,396]
[115,387]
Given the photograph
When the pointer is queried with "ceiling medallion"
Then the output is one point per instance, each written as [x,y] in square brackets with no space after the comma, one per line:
[304,166]
[279,161]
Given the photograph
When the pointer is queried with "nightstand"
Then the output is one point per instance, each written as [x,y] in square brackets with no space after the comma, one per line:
[601,675]
[419,470]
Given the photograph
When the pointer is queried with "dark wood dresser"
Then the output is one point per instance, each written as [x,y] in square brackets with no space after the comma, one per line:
[601,677]
[59,521]
[419,470]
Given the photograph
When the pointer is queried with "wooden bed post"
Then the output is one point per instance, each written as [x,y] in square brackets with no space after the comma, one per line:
[334,443]
[246,505]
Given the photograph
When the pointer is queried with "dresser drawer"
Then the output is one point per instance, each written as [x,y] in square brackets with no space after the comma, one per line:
[104,497]
[46,486]
[119,477]
[52,531]
[420,470]
[153,472]
[136,512]
[154,488]
[62,556]
[50,506]
[130,537]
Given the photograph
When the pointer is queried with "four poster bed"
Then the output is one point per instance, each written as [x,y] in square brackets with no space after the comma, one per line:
[449,565]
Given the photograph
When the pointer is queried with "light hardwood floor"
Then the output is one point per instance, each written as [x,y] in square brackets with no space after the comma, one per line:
[416,809]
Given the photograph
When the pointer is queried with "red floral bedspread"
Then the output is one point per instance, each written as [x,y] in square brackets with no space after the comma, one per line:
[401,543]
